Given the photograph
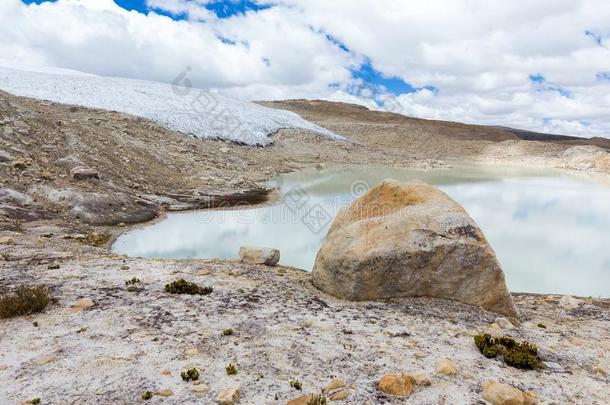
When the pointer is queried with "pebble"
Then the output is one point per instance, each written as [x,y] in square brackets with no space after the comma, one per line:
[165,393]
[503,394]
[193,351]
[199,388]
[446,367]
[504,323]
[228,396]
[339,395]
[166,372]
[421,378]
[54,266]
[83,303]
[397,385]
[335,384]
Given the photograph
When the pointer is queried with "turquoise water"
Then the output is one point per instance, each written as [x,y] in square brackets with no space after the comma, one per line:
[550,230]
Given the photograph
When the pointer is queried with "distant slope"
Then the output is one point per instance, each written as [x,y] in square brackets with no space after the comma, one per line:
[333,115]
[194,112]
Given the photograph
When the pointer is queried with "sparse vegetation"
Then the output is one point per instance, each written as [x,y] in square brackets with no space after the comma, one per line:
[231,369]
[182,286]
[147,395]
[522,355]
[542,326]
[317,400]
[35,401]
[191,374]
[133,281]
[24,301]
[227,332]
[296,384]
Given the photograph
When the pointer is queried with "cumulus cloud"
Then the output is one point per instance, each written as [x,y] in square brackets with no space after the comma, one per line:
[467,60]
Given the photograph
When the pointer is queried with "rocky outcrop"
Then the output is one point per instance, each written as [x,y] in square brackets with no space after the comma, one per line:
[410,239]
[259,255]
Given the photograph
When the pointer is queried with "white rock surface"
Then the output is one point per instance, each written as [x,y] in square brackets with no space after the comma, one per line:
[195,112]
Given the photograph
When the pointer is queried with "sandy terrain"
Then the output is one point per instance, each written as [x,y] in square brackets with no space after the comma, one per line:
[283,327]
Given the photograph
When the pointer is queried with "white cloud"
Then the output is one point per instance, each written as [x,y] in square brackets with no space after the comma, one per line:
[479,54]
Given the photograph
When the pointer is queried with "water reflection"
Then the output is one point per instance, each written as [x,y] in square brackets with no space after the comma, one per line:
[549,230]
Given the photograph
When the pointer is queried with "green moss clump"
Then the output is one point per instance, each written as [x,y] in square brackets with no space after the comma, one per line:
[35,401]
[24,301]
[227,332]
[317,400]
[522,355]
[189,375]
[542,326]
[147,395]
[296,384]
[231,369]
[182,286]
[96,239]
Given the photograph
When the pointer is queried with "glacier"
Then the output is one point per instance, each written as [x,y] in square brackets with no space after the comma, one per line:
[194,112]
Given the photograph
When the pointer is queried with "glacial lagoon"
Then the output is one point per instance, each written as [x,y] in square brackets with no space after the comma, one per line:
[550,229]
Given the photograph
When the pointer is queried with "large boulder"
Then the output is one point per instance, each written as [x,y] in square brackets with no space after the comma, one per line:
[402,240]
[259,255]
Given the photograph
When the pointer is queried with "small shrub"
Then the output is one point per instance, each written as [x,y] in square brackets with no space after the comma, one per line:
[296,384]
[191,374]
[182,286]
[542,326]
[227,332]
[147,395]
[317,400]
[35,401]
[231,369]
[24,301]
[522,355]
[133,281]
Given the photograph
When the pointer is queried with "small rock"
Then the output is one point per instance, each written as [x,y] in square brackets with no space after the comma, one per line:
[421,378]
[20,163]
[224,150]
[335,384]
[3,367]
[166,372]
[84,173]
[397,385]
[54,266]
[41,361]
[192,351]
[124,267]
[198,387]
[446,367]
[568,302]
[203,273]
[83,303]
[494,330]
[46,175]
[5,156]
[7,240]
[339,395]
[419,354]
[504,323]
[320,166]
[228,396]
[302,400]
[259,255]
[504,394]
[165,393]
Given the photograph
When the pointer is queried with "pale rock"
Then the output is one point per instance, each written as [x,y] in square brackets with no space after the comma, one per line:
[569,302]
[84,173]
[503,394]
[410,239]
[504,323]
[494,330]
[339,395]
[5,156]
[259,255]
[166,372]
[193,351]
[41,361]
[83,304]
[302,400]
[165,393]
[228,396]
[421,378]
[397,385]
[335,384]
[7,240]
[199,388]
[446,367]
